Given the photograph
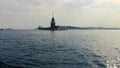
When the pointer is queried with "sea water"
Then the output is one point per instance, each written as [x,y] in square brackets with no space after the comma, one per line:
[60,49]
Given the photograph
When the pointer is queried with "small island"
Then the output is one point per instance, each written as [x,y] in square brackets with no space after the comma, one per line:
[53,26]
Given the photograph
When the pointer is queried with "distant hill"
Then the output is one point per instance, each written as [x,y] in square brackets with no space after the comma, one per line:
[87,28]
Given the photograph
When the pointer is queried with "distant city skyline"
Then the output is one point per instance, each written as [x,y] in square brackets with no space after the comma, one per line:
[29,14]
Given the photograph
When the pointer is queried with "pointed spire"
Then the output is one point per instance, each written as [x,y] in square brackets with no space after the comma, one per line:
[53,20]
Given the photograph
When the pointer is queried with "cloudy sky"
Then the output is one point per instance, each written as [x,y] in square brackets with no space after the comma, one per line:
[28,14]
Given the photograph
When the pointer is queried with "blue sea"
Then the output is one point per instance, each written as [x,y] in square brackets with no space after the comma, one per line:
[60,49]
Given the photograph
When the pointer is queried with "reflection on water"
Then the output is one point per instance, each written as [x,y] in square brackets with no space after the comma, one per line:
[113,63]
[60,49]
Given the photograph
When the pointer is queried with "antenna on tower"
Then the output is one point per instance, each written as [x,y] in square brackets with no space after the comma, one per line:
[53,14]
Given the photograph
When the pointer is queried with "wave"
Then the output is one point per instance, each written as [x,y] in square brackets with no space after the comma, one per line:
[4,65]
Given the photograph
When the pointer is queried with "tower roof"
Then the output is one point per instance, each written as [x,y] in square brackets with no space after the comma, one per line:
[53,19]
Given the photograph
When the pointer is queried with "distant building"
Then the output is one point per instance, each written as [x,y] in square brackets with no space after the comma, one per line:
[52,27]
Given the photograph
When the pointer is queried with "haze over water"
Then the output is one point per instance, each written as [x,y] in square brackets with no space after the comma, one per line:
[60,49]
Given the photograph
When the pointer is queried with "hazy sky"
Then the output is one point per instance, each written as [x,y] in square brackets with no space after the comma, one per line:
[28,14]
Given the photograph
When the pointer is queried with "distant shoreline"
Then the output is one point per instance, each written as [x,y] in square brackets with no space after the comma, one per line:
[69,28]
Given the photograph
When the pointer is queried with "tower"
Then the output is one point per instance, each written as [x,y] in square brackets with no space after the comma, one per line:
[52,27]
